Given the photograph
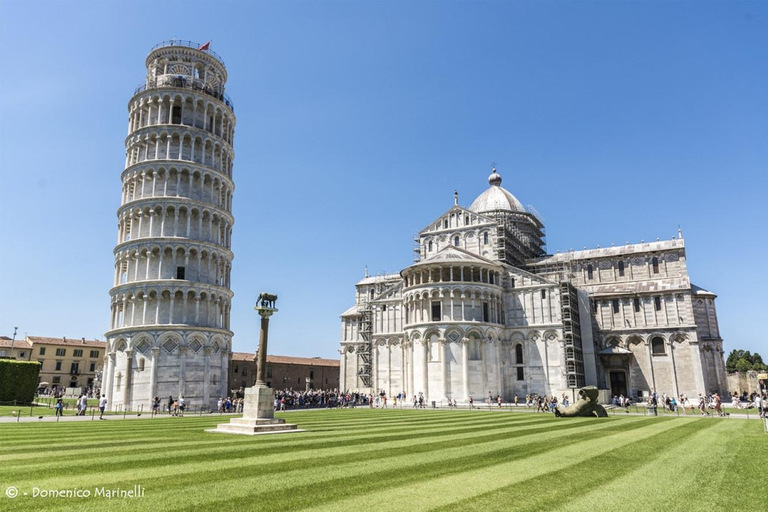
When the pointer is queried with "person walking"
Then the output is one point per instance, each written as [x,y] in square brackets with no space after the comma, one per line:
[170,405]
[59,407]
[471,402]
[102,406]
[498,400]
[515,400]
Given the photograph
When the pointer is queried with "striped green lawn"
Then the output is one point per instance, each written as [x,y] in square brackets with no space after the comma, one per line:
[393,460]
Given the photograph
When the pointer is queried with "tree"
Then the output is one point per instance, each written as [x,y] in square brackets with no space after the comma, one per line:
[733,358]
[743,366]
[743,361]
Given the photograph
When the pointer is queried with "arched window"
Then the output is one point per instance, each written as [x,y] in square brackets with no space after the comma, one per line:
[621,269]
[466,220]
[485,238]
[456,241]
[590,271]
[371,292]
[657,346]
[429,246]
[445,223]
[518,354]
[655,263]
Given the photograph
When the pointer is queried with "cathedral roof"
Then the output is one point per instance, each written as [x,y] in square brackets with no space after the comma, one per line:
[496,198]
[453,254]
[698,290]
[353,311]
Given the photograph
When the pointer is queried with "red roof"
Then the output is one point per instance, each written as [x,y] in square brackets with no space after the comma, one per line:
[306,361]
[6,343]
[71,342]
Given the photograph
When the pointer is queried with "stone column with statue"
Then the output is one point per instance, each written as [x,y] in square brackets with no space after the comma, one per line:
[258,402]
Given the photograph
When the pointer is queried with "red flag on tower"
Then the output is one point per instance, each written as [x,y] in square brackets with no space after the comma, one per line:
[205,46]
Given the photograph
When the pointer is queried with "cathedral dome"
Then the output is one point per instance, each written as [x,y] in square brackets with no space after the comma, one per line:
[496,198]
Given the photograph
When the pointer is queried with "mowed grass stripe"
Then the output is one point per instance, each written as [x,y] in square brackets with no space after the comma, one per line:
[270,480]
[420,491]
[243,458]
[168,482]
[151,446]
[167,452]
[535,494]
[356,478]
[344,469]
[685,458]
[47,434]
[132,433]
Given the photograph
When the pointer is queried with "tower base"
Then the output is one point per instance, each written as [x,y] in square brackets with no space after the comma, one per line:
[258,416]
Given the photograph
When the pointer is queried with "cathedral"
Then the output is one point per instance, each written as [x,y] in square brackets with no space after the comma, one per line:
[484,310]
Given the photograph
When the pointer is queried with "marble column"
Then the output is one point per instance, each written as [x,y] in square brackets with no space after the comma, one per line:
[155,354]
[484,355]
[675,390]
[389,370]
[650,365]
[465,366]
[444,357]
[226,356]
[343,369]
[411,382]
[497,367]
[109,381]
[698,367]
[425,368]
[182,371]
[375,367]
[128,384]
[207,377]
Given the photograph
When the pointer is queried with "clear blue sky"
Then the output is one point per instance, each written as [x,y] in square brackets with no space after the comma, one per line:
[618,121]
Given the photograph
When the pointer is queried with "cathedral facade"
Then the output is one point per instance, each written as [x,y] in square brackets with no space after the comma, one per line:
[485,311]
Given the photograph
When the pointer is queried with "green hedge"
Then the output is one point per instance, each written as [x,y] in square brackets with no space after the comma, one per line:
[18,380]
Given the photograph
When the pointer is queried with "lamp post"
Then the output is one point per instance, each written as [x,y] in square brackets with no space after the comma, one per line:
[13,341]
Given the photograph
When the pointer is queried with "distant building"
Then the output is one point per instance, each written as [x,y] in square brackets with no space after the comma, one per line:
[485,310]
[19,349]
[298,373]
[65,362]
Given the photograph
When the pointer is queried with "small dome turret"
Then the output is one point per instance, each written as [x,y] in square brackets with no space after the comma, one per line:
[496,198]
[494,179]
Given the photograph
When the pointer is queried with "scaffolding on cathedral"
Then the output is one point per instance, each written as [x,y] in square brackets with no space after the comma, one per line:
[365,351]
[574,357]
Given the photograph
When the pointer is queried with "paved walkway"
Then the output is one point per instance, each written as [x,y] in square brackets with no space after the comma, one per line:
[484,408]
[95,417]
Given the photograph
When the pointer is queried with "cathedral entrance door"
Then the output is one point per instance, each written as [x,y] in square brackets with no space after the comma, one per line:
[619,383]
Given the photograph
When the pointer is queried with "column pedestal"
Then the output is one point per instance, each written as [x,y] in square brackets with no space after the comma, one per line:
[258,416]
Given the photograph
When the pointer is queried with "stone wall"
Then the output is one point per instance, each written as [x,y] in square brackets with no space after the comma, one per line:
[740,382]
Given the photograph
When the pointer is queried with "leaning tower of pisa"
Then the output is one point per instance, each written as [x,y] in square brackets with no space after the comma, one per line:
[169,329]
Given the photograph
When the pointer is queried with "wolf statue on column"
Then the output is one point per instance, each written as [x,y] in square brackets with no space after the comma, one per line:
[586,405]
